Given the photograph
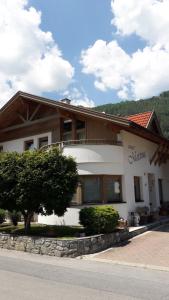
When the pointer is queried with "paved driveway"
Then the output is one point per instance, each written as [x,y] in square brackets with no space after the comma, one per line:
[148,249]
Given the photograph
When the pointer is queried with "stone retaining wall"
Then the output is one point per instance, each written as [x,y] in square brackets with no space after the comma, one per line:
[61,248]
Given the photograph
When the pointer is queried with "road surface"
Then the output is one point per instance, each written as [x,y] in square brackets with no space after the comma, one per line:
[25,276]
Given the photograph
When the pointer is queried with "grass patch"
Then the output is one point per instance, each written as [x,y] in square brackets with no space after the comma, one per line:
[57,231]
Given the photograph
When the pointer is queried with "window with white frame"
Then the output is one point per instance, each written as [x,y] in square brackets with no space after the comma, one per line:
[43,141]
[29,145]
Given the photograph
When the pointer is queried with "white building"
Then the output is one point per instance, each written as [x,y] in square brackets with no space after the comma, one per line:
[122,161]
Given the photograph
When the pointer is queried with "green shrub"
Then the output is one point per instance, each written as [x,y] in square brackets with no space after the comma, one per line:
[2,215]
[99,219]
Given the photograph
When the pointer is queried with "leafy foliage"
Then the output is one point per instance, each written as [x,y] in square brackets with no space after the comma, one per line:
[160,104]
[99,219]
[37,182]
[2,215]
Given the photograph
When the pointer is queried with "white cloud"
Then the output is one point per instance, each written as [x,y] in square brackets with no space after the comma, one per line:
[108,62]
[143,73]
[29,57]
[78,97]
[146,18]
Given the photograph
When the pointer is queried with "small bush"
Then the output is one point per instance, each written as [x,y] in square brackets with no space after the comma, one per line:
[14,217]
[2,215]
[99,219]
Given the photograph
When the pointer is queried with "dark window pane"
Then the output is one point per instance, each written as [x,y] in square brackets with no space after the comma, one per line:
[43,141]
[67,125]
[137,189]
[160,185]
[80,124]
[91,188]
[29,145]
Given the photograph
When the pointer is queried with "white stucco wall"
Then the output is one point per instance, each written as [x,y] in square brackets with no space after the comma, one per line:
[97,159]
[110,160]
[71,217]
[141,167]
[18,144]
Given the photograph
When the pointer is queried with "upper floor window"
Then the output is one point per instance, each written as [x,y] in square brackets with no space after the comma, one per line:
[67,130]
[80,130]
[29,145]
[43,141]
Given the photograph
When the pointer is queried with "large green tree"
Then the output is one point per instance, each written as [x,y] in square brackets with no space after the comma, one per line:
[37,182]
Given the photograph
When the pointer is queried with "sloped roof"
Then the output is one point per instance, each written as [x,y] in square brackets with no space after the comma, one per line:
[123,122]
[142,119]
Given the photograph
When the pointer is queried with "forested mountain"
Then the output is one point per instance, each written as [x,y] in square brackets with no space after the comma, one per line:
[158,103]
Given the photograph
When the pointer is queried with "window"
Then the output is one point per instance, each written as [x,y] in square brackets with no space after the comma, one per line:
[101,188]
[29,145]
[1,148]
[137,188]
[67,130]
[43,141]
[160,187]
[113,189]
[80,130]
[92,189]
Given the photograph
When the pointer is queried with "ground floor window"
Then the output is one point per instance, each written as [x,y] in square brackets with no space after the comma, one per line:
[137,188]
[101,189]
[113,188]
[92,189]
[160,187]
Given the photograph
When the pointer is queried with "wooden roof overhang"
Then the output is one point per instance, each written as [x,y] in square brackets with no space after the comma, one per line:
[8,113]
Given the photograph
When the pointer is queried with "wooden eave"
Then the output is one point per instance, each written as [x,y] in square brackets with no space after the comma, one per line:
[71,110]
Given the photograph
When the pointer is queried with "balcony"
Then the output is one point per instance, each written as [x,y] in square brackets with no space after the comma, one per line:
[94,156]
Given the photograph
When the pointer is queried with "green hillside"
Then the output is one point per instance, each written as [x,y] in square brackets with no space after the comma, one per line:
[158,103]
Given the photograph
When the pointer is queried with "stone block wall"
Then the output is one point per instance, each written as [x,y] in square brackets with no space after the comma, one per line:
[60,247]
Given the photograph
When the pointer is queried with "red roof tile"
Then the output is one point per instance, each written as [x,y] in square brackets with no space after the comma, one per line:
[141,119]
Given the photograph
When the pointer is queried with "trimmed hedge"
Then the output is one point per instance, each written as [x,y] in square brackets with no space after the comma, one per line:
[99,219]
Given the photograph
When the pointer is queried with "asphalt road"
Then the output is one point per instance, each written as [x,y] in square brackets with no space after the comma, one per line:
[24,276]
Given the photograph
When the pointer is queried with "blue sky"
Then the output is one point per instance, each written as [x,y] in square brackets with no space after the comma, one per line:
[75,25]
[91,51]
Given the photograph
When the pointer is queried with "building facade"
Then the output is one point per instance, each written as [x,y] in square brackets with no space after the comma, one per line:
[122,161]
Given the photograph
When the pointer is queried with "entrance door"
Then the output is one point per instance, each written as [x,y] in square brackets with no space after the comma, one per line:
[152,192]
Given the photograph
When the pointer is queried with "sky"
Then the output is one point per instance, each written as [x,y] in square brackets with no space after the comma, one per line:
[91,51]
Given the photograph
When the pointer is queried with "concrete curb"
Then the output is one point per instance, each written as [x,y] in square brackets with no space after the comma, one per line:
[145,228]
[129,264]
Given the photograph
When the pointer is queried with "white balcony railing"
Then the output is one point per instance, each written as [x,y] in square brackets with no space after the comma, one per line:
[62,144]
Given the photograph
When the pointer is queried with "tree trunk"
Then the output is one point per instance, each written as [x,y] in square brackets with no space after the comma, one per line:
[27,221]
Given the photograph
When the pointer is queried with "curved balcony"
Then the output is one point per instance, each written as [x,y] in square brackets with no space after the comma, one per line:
[94,156]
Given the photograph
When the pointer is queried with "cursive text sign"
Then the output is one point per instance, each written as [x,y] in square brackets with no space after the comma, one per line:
[136,156]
